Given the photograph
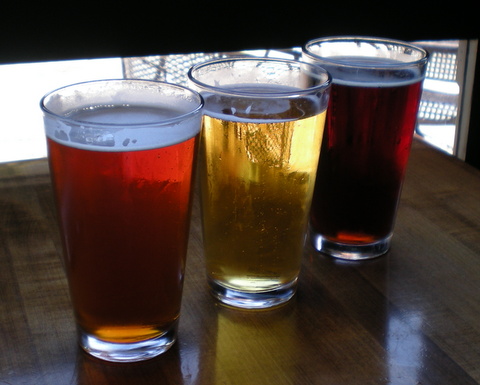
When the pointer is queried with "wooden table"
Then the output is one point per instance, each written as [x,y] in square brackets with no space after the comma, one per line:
[411,317]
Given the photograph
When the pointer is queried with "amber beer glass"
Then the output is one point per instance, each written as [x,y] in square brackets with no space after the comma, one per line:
[121,155]
[262,132]
[368,134]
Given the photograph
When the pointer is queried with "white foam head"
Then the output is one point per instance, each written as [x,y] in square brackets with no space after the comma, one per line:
[121,115]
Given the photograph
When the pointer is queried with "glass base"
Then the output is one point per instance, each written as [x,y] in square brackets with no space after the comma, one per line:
[252,300]
[352,252]
[127,352]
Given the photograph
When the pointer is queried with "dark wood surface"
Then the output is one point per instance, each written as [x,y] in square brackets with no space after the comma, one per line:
[411,317]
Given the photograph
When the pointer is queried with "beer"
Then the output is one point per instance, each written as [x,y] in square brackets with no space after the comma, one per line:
[262,132]
[257,183]
[375,93]
[124,217]
[367,141]
[122,156]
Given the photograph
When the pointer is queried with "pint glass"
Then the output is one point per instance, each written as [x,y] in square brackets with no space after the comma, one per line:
[121,156]
[262,132]
[376,88]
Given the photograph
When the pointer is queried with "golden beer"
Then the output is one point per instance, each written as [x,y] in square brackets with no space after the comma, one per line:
[260,144]
[257,185]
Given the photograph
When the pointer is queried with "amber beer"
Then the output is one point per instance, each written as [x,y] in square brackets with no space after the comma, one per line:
[124,219]
[260,145]
[123,194]
[376,89]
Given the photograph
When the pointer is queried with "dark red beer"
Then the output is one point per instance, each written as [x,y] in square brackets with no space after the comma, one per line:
[376,88]
[125,222]
[367,140]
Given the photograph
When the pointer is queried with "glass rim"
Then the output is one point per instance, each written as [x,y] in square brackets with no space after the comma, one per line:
[163,122]
[367,39]
[277,94]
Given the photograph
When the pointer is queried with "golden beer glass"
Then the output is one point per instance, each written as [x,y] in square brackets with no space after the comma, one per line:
[261,138]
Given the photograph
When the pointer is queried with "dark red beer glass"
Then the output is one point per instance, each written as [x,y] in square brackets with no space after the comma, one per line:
[376,89]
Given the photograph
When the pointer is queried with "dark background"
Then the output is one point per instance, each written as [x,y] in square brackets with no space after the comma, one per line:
[39,31]
[34,31]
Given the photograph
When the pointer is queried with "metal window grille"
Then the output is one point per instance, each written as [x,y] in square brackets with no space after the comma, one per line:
[168,68]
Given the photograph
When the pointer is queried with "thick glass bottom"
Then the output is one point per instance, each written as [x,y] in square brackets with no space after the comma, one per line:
[348,251]
[128,352]
[252,300]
